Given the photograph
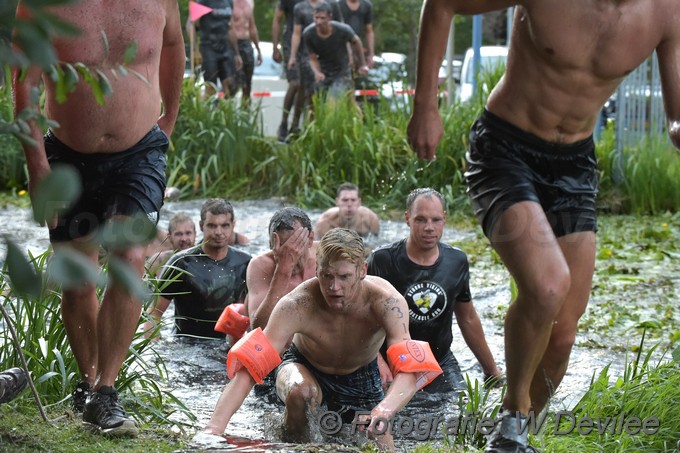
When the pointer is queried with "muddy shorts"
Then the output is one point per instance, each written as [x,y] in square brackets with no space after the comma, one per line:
[358,391]
[336,87]
[125,183]
[217,65]
[292,75]
[506,165]
[306,76]
[451,380]
[245,74]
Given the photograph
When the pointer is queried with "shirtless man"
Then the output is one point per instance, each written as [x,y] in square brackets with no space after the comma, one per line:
[291,260]
[243,24]
[531,169]
[348,213]
[118,148]
[342,302]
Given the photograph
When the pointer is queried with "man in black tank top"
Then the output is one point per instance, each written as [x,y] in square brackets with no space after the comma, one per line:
[434,279]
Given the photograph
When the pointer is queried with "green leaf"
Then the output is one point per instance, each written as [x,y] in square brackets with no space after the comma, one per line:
[70,268]
[125,276]
[22,274]
[124,232]
[104,84]
[71,77]
[56,193]
[676,354]
[105,41]
[130,53]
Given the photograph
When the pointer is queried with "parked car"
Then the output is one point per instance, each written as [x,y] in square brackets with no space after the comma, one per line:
[388,79]
[269,89]
[491,57]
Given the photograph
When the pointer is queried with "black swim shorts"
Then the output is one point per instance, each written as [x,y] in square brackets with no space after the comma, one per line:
[217,64]
[346,394]
[506,165]
[124,183]
[245,74]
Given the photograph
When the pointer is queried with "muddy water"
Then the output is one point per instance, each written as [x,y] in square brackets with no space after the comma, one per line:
[197,368]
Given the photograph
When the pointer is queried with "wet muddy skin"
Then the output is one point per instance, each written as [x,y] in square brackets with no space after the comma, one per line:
[197,371]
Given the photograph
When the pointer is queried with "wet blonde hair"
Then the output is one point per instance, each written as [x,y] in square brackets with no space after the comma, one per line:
[341,244]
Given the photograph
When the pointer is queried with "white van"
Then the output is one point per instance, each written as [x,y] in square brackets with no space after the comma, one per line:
[491,57]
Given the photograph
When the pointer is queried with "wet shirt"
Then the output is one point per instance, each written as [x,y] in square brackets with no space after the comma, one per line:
[201,287]
[331,51]
[357,19]
[430,291]
[287,6]
[303,15]
[214,26]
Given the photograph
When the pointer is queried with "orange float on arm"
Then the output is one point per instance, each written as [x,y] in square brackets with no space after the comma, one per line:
[232,322]
[255,353]
[412,356]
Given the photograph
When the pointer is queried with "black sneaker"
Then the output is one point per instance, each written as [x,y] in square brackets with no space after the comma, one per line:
[12,382]
[105,415]
[509,435]
[79,396]
[282,133]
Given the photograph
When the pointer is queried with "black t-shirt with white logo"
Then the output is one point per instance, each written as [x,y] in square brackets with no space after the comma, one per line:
[430,291]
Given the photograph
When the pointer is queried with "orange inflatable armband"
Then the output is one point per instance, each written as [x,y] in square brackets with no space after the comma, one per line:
[412,356]
[255,353]
[232,322]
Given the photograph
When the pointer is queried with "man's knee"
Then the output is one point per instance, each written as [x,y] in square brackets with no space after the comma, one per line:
[302,395]
[546,295]
[561,342]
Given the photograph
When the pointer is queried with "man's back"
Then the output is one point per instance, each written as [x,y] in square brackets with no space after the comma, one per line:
[567,58]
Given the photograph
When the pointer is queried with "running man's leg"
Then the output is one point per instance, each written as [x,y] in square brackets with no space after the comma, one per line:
[579,251]
[527,246]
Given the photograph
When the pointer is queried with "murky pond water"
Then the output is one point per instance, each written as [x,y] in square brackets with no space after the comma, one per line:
[197,370]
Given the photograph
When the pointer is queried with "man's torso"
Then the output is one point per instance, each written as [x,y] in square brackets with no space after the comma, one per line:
[243,11]
[567,58]
[430,291]
[201,287]
[108,30]
[360,222]
[339,343]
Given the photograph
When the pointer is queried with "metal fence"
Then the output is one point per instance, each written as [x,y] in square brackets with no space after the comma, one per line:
[639,107]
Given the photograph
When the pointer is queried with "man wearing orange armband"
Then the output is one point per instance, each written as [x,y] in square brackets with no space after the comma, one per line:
[203,280]
[338,321]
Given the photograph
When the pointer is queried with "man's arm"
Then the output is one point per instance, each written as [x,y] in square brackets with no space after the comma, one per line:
[255,38]
[266,289]
[359,50]
[395,323]
[233,42]
[284,324]
[294,45]
[425,127]
[155,311]
[319,76]
[171,70]
[668,54]
[26,91]
[473,333]
[370,44]
[276,31]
